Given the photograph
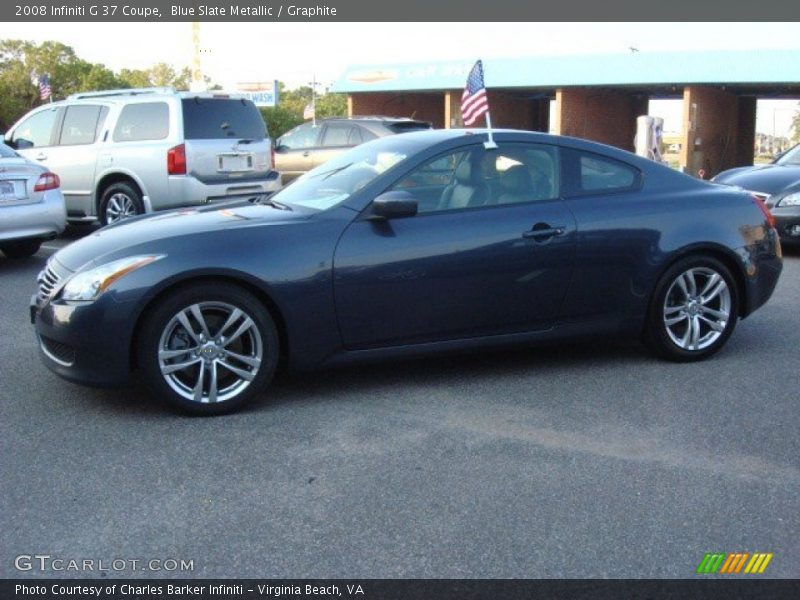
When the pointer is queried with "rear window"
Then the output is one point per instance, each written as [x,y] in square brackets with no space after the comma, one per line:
[219,118]
[405,126]
[142,121]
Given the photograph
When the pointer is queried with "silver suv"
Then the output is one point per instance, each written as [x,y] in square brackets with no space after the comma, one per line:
[121,153]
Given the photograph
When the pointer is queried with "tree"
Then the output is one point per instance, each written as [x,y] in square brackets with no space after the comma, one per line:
[796,125]
[20,61]
[159,75]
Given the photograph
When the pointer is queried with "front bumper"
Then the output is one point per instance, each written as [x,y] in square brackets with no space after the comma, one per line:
[73,345]
[787,222]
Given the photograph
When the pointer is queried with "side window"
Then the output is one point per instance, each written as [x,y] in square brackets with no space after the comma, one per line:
[142,121]
[303,136]
[476,177]
[601,174]
[80,125]
[431,183]
[35,131]
[355,138]
[366,134]
[338,134]
[517,173]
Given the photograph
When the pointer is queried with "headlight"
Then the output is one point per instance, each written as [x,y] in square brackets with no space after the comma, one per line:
[790,200]
[88,285]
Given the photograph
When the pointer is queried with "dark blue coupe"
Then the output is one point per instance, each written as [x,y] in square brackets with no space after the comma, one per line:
[408,245]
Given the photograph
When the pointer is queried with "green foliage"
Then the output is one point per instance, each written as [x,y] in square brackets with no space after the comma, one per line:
[20,59]
[289,112]
[796,125]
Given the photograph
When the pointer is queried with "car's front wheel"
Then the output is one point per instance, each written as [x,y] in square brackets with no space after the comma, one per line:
[208,349]
[693,311]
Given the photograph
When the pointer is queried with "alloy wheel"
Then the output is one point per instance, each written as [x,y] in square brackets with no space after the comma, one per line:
[120,206]
[697,308]
[209,352]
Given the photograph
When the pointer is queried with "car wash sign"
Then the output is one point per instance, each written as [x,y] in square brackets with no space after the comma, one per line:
[262,93]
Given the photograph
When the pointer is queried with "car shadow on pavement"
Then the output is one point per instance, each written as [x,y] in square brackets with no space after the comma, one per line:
[436,371]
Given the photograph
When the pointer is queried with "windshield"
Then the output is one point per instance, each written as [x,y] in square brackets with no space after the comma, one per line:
[336,180]
[792,157]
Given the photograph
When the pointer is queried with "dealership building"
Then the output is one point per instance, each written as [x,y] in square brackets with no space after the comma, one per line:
[597,97]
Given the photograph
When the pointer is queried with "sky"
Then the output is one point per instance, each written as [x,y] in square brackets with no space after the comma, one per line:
[296,53]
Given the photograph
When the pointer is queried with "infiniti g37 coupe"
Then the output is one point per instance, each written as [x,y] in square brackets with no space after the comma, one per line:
[404,246]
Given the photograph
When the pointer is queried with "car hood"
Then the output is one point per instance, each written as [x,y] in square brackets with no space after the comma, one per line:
[110,241]
[769,179]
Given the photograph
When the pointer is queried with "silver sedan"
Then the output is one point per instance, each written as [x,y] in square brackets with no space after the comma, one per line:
[31,205]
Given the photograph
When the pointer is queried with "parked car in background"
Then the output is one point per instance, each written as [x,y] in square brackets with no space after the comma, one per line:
[31,205]
[309,145]
[404,246]
[778,185]
[121,153]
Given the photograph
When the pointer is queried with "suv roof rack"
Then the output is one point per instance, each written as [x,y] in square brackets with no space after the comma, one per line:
[122,92]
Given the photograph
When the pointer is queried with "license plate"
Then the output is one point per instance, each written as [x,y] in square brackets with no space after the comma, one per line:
[7,191]
[228,163]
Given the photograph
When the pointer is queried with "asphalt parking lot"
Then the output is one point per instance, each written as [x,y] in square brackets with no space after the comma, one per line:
[568,461]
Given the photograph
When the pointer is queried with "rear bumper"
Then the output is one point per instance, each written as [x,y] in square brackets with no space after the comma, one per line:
[190,191]
[763,266]
[43,220]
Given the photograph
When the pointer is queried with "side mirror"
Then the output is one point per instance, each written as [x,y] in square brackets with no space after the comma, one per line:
[281,148]
[394,205]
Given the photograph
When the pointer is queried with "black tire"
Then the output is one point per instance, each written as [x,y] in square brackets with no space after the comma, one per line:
[162,329]
[20,248]
[120,201]
[676,340]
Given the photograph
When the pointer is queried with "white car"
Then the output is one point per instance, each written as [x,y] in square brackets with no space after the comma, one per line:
[31,205]
[121,153]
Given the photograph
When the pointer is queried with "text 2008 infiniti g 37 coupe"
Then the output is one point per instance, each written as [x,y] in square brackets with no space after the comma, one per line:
[411,244]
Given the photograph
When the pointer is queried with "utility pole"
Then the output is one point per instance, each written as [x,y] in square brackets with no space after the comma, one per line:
[197,84]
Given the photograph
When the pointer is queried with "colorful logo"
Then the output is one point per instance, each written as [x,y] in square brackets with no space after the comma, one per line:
[715,562]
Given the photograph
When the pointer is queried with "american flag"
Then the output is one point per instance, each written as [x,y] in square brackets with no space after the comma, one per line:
[474,103]
[44,87]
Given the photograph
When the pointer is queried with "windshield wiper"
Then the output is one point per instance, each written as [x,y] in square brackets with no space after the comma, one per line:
[267,200]
[332,172]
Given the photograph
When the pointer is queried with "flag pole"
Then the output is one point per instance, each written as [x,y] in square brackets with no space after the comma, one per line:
[314,100]
[489,144]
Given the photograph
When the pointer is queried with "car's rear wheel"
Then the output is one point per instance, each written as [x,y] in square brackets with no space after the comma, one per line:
[694,310]
[120,201]
[20,248]
[208,349]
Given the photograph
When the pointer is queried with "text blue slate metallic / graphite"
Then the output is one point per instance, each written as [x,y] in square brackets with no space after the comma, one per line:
[405,246]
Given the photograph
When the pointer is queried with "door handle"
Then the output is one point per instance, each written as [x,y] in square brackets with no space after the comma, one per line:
[542,231]
[41,156]
[306,153]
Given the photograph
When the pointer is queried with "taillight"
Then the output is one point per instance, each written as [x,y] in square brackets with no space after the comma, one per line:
[47,181]
[764,210]
[176,160]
